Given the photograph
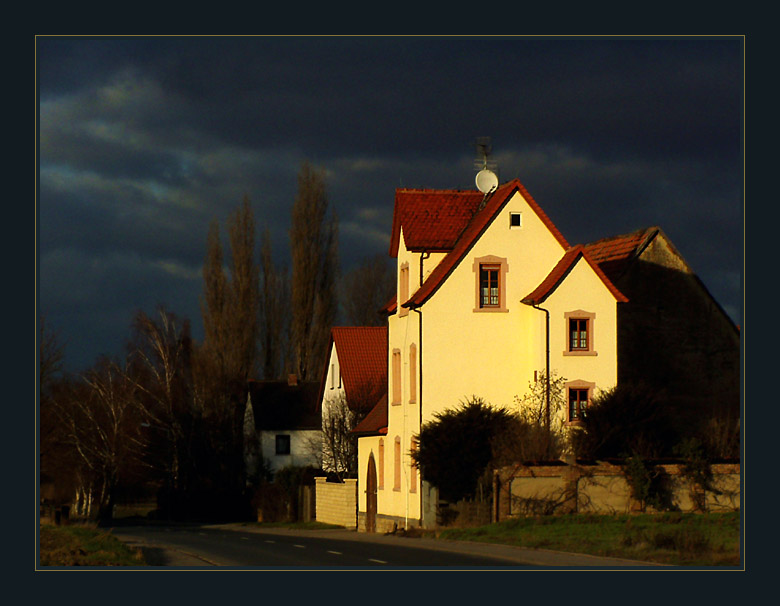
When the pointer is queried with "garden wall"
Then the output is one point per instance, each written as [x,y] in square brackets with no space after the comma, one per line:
[337,502]
[601,487]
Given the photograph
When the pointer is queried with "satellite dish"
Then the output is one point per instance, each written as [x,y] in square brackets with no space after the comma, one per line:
[486,180]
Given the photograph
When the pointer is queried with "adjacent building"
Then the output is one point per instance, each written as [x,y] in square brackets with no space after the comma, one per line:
[282,426]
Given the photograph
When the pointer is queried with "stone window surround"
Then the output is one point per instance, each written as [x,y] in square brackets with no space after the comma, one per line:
[577,384]
[502,271]
[580,315]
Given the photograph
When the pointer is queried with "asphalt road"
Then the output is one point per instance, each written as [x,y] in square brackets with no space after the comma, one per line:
[234,545]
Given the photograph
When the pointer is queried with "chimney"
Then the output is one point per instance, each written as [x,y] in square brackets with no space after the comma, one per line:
[292,380]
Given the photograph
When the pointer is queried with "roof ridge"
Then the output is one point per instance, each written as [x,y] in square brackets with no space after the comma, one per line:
[437,190]
[623,235]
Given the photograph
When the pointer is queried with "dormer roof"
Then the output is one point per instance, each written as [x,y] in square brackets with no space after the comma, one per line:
[561,270]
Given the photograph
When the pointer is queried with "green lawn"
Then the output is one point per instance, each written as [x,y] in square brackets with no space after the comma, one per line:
[84,546]
[678,539]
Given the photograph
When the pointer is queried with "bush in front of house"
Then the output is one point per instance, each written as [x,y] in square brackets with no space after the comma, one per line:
[463,434]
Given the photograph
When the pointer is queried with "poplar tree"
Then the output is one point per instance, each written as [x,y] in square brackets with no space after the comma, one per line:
[274,312]
[230,303]
[244,295]
[365,289]
[313,246]
[228,356]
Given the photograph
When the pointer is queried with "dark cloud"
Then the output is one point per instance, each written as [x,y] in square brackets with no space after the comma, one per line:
[146,140]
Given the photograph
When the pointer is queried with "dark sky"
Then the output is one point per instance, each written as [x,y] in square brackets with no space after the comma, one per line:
[144,141]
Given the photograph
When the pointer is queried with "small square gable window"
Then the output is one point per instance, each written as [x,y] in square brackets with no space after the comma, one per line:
[515,220]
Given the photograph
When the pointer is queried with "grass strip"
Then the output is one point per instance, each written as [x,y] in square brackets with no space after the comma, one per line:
[84,546]
[678,539]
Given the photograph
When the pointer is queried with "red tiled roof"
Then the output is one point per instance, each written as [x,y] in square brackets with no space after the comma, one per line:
[614,254]
[362,353]
[391,306]
[431,219]
[375,421]
[561,269]
[475,228]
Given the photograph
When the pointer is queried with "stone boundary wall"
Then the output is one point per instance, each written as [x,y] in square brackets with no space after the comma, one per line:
[387,524]
[337,503]
[601,488]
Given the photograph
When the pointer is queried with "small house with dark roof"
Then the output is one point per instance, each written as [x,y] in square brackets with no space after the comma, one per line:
[282,424]
[490,298]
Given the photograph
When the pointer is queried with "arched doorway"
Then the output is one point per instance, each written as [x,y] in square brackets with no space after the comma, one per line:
[371,495]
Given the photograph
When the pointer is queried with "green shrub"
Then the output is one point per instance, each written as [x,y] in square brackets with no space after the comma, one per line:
[463,434]
[648,483]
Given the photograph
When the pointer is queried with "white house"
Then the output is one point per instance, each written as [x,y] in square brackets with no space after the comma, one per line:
[282,425]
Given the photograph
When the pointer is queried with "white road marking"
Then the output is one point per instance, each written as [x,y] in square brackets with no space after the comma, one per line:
[377,561]
[334,552]
[300,546]
[244,538]
[270,541]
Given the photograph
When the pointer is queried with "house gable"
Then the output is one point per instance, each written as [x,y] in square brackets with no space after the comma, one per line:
[510,198]
[490,351]
[562,269]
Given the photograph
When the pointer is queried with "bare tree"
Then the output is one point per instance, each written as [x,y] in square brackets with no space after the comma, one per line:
[162,376]
[339,446]
[50,354]
[365,290]
[214,304]
[525,436]
[230,304]
[313,241]
[340,415]
[228,356]
[274,322]
[244,295]
[50,365]
[102,425]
